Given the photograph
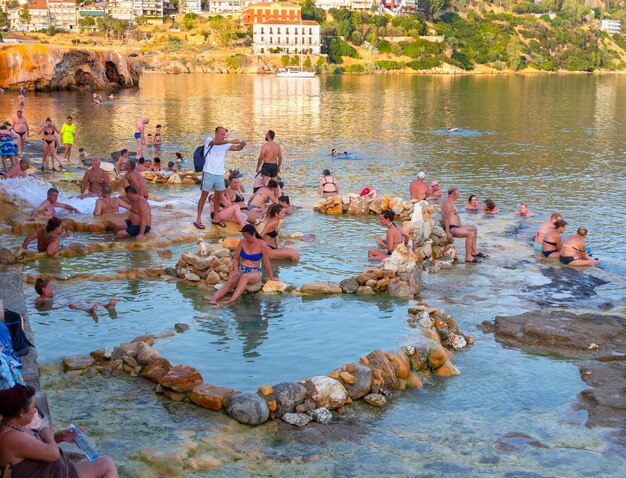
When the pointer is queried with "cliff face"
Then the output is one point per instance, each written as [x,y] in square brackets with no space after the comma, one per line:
[43,67]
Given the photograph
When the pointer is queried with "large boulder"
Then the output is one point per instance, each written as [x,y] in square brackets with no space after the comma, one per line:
[78,362]
[378,360]
[363,383]
[328,392]
[210,396]
[181,378]
[349,286]
[146,354]
[156,370]
[248,408]
[288,396]
[401,290]
[321,288]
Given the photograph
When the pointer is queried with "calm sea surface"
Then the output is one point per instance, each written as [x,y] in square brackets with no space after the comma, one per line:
[557,143]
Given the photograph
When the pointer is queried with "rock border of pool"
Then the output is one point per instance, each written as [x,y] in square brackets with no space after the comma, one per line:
[372,378]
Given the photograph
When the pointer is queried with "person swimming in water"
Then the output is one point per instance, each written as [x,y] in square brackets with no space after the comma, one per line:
[490,207]
[251,252]
[552,242]
[44,288]
[574,251]
[49,206]
[523,210]
[472,203]
[333,152]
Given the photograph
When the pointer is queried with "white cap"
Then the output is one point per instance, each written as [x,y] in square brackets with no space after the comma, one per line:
[421,175]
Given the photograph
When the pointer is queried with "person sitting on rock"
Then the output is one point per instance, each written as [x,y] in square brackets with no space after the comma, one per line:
[107,204]
[49,206]
[141,167]
[523,211]
[252,250]
[228,212]
[139,220]
[264,195]
[574,251]
[369,194]
[395,237]
[37,453]
[49,237]
[275,214]
[490,207]
[546,227]
[45,301]
[328,185]
[552,244]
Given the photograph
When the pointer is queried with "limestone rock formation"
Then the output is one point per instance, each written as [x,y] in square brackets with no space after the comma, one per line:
[44,67]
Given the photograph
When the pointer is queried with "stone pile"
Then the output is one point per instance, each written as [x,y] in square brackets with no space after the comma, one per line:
[355,204]
[373,378]
[163,177]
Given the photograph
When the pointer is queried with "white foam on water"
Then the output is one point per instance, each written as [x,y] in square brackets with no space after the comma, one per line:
[31,192]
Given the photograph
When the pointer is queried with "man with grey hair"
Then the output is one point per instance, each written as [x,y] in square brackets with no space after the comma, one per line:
[94,179]
[452,226]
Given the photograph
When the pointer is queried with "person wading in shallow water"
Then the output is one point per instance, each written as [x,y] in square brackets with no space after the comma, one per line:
[270,159]
[452,226]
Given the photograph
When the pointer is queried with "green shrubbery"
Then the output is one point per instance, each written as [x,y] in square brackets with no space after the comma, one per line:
[425,64]
[390,65]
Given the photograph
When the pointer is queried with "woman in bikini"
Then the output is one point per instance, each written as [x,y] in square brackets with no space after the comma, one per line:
[552,241]
[490,207]
[230,211]
[573,252]
[234,195]
[246,265]
[328,185]
[48,132]
[265,194]
[395,237]
[275,214]
[49,237]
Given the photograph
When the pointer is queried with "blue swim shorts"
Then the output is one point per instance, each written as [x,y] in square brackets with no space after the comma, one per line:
[212,181]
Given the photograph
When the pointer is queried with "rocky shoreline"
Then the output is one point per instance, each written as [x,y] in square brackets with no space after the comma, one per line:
[596,341]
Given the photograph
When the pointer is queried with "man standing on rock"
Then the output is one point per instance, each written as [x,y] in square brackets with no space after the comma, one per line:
[139,220]
[452,226]
[215,150]
[94,180]
[270,159]
[418,188]
[20,126]
[139,133]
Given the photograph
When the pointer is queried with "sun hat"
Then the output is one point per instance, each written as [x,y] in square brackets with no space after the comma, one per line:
[421,175]
[434,183]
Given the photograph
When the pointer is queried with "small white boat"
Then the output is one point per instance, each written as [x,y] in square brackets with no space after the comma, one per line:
[294,72]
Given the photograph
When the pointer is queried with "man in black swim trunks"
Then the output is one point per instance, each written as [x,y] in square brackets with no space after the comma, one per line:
[452,226]
[139,219]
[270,158]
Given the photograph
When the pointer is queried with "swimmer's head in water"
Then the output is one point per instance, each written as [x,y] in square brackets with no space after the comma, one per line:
[284,199]
[170,164]
[157,160]
[250,231]
[40,285]
[326,172]
[490,204]
[53,223]
[421,175]
[582,231]
[106,190]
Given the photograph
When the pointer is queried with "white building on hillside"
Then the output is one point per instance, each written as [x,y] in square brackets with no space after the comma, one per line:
[121,9]
[611,26]
[63,14]
[363,5]
[150,8]
[328,4]
[228,6]
[287,36]
[190,6]
[39,17]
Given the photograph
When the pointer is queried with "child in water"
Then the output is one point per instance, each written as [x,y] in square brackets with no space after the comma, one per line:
[44,288]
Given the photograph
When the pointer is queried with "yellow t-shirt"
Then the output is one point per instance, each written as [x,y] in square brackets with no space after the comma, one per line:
[67,133]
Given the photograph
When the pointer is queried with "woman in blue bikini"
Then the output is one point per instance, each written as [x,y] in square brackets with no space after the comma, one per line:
[252,250]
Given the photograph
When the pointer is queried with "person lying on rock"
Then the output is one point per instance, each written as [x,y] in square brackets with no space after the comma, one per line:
[45,301]
[19,170]
[139,220]
[552,242]
[275,214]
[49,237]
[49,206]
[574,251]
[252,250]
[37,453]
[107,204]
[395,237]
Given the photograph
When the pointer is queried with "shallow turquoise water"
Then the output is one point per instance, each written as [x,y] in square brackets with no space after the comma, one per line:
[554,142]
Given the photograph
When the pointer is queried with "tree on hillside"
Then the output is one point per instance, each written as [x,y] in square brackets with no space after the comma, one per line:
[435,7]
[4,19]
[86,23]
[25,16]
